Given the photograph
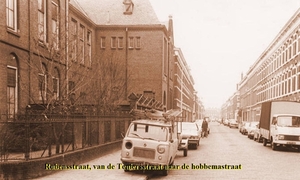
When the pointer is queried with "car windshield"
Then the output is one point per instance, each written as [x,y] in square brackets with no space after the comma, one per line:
[146,131]
[247,124]
[189,126]
[253,124]
[288,121]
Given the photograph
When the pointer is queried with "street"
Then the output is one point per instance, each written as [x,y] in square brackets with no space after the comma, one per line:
[233,154]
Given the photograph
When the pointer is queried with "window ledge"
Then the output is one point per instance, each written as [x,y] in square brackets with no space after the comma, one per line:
[17,34]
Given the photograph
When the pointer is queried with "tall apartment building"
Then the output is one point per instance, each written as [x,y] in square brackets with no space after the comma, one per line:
[275,75]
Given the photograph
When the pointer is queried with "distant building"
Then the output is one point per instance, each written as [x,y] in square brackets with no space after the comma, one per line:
[185,94]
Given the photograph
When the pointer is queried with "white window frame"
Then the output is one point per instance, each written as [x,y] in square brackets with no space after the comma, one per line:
[73,40]
[120,42]
[42,94]
[113,43]
[55,26]
[138,42]
[11,15]
[89,47]
[131,42]
[42,21]
[102,43]
[15,94]
[81,43]
[56,95]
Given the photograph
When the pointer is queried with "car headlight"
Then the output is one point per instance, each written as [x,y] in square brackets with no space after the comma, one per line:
[161,149]
[128,145]
[281,137]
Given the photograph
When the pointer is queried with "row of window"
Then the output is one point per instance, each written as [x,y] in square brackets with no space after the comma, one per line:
[288,51]
[80,43]
[43,11]
[279,87]
[118,42]
[270,76]
[44,88]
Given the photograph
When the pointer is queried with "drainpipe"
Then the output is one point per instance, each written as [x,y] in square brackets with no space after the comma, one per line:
[67,47]
[126,64]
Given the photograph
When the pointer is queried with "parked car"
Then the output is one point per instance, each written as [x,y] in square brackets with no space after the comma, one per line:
[257,136]
[225,122]
[244,127]
[233,123]
[250,129]
[251,133]
[191,131]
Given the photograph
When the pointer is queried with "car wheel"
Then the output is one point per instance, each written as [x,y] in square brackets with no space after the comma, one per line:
[185,151]
[264,142]
[274,146]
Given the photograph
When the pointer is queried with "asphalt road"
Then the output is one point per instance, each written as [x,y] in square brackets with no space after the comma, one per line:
[224,154]
[225,146]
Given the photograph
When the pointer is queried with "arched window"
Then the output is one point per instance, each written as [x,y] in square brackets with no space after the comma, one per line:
[12,87]
[56,83]
[42,84]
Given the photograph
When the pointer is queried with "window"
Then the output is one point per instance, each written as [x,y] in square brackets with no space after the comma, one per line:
[55,24]
[165,56]
[113,42]
[55,81]
[81,44]
[42,84]
[42,20]
[11,14]
[103,42]
[73,40]
[72,91]
[89,47]
[11,92]
[131,42]
[138,42]
[120,42]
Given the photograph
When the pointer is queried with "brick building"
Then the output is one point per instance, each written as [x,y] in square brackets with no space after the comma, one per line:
[185,95]
[128,33]
[83,51]
[33,57]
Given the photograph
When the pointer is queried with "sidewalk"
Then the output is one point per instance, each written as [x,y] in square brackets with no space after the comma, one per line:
[105,162]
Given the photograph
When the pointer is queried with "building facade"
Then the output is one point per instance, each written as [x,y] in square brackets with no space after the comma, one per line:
[33,55]
[185,96]
[275,75]
[82,51]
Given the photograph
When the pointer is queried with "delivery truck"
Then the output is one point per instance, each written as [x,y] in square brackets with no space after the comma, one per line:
[280,124]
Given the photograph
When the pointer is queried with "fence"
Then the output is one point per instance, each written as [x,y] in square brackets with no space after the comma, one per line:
[40,136]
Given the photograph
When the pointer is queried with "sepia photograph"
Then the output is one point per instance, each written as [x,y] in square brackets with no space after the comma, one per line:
[149,89]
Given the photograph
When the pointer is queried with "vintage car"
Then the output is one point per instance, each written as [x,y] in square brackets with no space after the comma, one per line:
[233,123]
[192,132]
[152,142]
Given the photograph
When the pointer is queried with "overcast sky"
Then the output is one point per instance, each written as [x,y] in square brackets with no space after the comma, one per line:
[220,39]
